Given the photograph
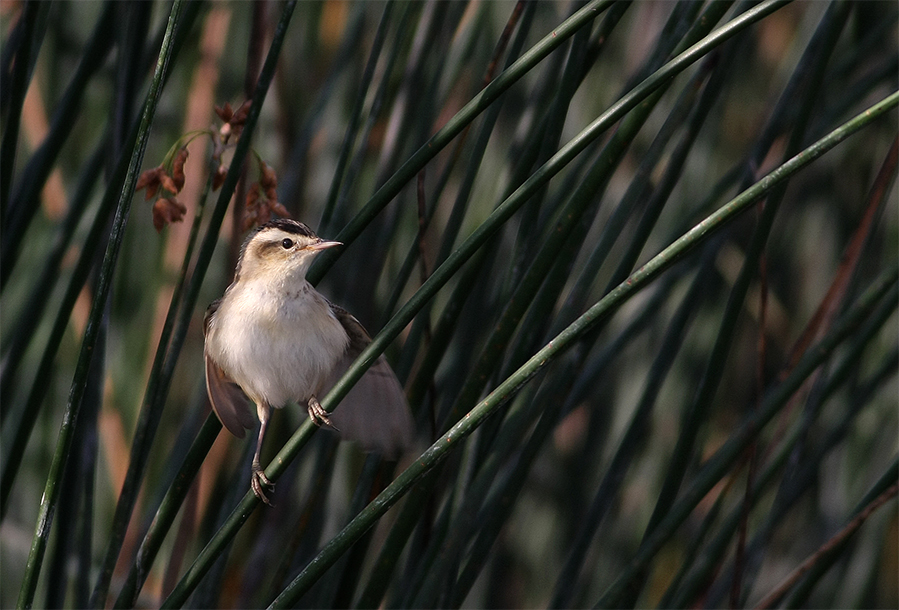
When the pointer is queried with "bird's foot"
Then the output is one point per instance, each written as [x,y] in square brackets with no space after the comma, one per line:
[318,415]
[258,481]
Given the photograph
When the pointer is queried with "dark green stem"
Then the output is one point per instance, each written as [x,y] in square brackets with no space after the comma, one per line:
[85,358]
[639,279]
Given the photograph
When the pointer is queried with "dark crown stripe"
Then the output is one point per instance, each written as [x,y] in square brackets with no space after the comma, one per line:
[289,226]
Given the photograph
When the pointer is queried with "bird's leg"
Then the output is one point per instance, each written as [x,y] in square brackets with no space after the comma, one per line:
[317,413]
[258,478]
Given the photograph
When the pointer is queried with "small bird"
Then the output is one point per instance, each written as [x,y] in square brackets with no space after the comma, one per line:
[275,339]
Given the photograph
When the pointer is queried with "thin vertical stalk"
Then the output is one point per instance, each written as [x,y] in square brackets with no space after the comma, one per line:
[500,215]
[884,287]
[24,202]
[454,126]
[349,137]
[166,513]
[696,413]
[639,279]
[33,310]
[566,584]
[713,557]
[16,432]
[76,394]
[29,44]
[151,411]
[158,385]
[800,592]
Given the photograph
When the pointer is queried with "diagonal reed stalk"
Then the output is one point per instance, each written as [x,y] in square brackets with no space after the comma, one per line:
[76,394]
[504,391]
[509,180]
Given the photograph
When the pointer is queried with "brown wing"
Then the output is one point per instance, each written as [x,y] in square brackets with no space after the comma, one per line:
[359,337]
[228,400]
[375,412]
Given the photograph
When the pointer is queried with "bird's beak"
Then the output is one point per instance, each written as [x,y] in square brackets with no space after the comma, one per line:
[324,245]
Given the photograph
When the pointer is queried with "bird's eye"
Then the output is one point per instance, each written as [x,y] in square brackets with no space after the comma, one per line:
[287,243]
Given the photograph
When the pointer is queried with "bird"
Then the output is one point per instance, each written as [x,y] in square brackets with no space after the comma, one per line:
[273,338]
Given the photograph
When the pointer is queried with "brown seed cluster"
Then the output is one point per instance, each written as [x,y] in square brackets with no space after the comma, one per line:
[233,120]
[166,209]
[262,197]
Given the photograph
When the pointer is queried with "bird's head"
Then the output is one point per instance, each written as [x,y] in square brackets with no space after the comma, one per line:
[280,249]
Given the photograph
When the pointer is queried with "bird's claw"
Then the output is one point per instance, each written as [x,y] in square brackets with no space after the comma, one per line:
[257,481]
[318,415]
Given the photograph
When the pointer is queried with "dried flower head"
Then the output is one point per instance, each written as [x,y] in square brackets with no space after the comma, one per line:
[178,169]
[262,199]
[218,179]
[268,181]
[172,182]
[233,120]
[167,210]
[150,180]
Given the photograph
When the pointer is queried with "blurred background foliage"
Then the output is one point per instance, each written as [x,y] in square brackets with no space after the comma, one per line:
[699,438]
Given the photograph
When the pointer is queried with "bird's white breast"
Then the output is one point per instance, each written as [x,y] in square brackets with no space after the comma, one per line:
[279,345]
